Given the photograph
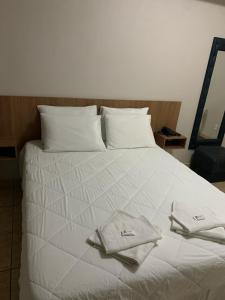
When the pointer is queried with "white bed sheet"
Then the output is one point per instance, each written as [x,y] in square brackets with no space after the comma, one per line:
[67,195]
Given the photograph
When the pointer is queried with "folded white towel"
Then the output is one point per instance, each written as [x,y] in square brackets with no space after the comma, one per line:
[123,231]
[216,234]
[134,255]
[194,219]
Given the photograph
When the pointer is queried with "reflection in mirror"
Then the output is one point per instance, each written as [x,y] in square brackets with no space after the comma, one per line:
[209,124]
[215,102]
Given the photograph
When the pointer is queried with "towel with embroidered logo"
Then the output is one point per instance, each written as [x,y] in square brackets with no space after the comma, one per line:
[200,222]
[126,238]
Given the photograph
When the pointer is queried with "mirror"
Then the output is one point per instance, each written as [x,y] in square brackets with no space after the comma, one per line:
[209,122]
[215,102]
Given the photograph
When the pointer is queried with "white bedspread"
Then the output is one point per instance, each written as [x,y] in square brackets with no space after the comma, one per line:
[67,195]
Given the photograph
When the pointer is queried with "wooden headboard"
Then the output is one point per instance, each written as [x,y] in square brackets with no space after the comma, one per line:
[20,122]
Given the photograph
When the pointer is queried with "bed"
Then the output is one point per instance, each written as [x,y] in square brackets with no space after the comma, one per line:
[67,195]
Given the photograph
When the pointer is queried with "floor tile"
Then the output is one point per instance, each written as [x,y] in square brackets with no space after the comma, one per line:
[17,193]
[6,194]
[17,236]
[17,219]
[6,184]
[14,284]
[5,285]
[220,185]
[16,250]
[6,219]
[5,251]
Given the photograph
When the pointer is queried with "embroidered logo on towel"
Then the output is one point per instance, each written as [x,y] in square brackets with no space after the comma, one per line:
[199,218]
[128,233]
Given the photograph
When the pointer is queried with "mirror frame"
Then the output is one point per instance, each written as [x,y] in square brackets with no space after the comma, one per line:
[218,45]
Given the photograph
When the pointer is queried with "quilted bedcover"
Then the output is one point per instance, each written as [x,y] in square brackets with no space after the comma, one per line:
[67,195]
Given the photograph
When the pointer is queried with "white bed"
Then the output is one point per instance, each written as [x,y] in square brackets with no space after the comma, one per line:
[66,195]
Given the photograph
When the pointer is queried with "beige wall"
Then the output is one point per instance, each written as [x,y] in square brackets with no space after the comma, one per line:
[141,49]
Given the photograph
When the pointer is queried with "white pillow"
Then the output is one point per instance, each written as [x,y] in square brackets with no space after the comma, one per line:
[111,110]
[120,111]
[128,131]
[68,110]
[68,133]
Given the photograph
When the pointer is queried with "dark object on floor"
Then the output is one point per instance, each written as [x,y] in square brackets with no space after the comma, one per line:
[209,162]
[169,132]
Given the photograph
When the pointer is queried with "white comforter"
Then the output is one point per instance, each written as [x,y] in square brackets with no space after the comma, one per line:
[67,195]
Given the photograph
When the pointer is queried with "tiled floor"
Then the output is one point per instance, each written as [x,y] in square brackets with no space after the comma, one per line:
[220,185]
[10,239]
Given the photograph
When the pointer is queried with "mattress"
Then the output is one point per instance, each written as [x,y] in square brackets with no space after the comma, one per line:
[67,195]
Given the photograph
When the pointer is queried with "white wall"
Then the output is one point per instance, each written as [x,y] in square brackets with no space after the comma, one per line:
[140,49]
